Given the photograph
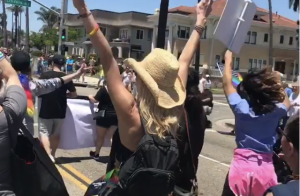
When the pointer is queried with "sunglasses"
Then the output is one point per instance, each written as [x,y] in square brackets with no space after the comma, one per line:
[284,134]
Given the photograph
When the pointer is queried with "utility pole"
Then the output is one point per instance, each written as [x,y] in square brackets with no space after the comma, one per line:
[27,48]
[162,24]
[63,11]
[197,59]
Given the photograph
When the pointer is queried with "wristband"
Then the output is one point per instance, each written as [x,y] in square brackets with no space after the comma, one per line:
[93,32]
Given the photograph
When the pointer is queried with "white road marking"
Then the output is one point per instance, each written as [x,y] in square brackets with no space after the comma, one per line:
[210,130]
[226,104]
[213,160]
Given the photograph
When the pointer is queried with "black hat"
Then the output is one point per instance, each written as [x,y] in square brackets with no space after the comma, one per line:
[20,61]
[59,60]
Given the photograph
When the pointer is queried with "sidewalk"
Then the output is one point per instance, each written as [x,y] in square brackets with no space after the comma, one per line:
[89,82]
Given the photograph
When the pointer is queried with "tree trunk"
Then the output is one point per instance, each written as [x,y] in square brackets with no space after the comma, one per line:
[16,27]
[271,35]
[27,30]
[162,24]
[4,18]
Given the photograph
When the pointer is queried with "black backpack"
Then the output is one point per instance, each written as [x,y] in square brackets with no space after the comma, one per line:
[152,168]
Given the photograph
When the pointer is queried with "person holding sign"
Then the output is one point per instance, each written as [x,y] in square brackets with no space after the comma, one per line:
[258,103]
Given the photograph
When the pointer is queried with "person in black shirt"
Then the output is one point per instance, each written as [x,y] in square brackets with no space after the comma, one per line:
[53,107]
[107,122]
[290,149]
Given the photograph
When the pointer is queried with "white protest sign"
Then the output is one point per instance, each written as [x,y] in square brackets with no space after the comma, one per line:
[235,23]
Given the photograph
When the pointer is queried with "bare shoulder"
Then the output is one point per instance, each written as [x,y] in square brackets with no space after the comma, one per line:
[269,194]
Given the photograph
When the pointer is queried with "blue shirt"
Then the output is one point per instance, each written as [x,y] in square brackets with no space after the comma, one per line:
[288,91]
[257,133]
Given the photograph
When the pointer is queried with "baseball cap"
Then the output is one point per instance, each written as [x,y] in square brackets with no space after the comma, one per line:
[20,61]
[59,60]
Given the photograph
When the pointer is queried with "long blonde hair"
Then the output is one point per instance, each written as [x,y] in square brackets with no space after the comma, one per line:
[158,120]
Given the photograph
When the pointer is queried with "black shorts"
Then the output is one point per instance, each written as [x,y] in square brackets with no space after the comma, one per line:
[106,122]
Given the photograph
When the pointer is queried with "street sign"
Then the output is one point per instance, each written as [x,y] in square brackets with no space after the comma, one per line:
[19,2]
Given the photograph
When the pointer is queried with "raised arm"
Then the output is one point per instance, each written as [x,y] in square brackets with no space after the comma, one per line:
[227,75]
[203,9]
[44,86]
[121,98]
[15,95]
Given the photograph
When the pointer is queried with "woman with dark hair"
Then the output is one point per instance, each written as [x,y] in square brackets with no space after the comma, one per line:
[290,149]
[196,116]
[258,104]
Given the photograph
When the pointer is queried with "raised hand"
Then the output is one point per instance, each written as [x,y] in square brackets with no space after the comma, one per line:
[81,70]
[203,9]
[228,56]
[78,4]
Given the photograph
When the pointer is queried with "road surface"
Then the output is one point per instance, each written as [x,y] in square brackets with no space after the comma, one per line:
[79,170]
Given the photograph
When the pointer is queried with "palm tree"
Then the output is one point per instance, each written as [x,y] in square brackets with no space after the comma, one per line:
[4,24]
[47,17]
[295,4]
[16,10]
[162,23]
[271,34]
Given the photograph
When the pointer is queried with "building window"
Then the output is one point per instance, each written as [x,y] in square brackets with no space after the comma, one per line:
[123,33]
[281,39]
[297,70]
[183,32]
[247,41]
[253,37]
[266,37]
[103,30]
[291,40]
[236,63]
[257,63]
[139,34]
[203,35]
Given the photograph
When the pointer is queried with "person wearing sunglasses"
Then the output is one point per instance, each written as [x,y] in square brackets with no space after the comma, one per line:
[290,149]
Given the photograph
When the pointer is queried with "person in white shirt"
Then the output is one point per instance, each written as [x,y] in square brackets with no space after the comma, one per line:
[127,81]
[203,84]
[294,100]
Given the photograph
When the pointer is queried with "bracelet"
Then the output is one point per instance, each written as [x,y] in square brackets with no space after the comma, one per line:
[199,28]
[2,56]
[85,15]
[93,32]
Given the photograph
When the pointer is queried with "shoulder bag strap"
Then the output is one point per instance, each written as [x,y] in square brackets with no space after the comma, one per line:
[15,125]
[189,141]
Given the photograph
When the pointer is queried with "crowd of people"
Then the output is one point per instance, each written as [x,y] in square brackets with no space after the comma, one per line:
[155,116]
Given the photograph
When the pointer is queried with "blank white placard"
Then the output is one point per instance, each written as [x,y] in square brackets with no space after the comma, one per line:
[229,21]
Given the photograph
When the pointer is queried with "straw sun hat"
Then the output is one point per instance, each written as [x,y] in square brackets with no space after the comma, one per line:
[159,72]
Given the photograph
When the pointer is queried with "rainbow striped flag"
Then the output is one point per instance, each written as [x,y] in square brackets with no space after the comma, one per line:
[25,83]
[236,77]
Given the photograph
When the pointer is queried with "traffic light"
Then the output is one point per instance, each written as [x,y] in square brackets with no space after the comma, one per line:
[63,49]
[63,35]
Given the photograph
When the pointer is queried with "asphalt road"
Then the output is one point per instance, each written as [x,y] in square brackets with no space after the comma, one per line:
[79,170]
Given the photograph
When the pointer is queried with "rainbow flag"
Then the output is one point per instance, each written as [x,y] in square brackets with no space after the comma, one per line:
[25,83]
[236,77]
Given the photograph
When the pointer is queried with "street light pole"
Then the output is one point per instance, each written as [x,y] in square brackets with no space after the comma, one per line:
[61,25]
[162,24]
[27,30]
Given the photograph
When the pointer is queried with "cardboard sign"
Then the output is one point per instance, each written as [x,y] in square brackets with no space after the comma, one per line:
[235,23]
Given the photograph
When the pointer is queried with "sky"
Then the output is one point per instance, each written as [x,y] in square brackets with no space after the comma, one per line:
[146,6]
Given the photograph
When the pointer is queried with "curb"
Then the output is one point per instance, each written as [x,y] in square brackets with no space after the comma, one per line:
[85,85]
